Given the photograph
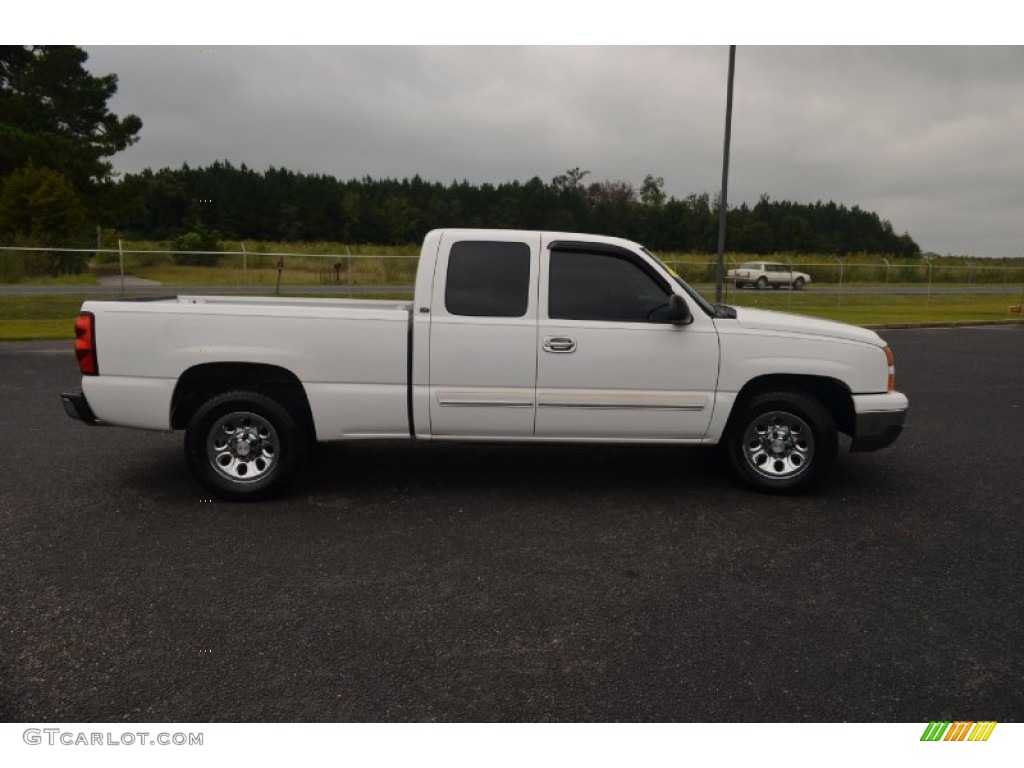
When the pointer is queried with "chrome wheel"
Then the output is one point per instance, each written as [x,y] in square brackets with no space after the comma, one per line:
[778,445]
[242,446]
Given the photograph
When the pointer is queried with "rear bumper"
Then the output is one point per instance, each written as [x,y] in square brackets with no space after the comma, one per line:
[77,407]
[879,420]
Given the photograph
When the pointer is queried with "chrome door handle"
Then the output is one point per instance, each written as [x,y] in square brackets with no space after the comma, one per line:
[559,344]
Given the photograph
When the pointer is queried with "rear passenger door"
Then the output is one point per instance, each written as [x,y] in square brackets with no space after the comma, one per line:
[483,333]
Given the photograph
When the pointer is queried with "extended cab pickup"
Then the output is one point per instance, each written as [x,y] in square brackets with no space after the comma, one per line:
[511,336]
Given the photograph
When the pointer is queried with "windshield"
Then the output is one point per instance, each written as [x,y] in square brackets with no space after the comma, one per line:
[691,292]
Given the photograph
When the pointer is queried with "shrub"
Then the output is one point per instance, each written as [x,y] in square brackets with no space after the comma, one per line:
[12,267]
[194,244]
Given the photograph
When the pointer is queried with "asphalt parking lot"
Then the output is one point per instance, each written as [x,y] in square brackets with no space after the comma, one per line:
[445,582]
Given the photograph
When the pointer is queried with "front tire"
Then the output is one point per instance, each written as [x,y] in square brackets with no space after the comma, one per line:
[782,442]
[798,284]
[244,446]
[762,283]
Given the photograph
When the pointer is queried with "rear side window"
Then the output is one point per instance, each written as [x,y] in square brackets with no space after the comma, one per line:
[600,286]
[487,279]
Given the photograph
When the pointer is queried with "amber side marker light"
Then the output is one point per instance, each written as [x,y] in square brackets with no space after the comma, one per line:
[892,368]
[85,344]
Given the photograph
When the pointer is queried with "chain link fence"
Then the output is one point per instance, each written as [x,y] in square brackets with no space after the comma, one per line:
[233,271]
[145,270]
[837,280]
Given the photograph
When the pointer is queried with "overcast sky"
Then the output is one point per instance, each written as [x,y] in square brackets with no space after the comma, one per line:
[930,138]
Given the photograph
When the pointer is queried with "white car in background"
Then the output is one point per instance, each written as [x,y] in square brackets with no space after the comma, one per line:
[762,274]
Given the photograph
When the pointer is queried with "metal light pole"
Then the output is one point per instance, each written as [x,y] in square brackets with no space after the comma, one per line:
[724,201]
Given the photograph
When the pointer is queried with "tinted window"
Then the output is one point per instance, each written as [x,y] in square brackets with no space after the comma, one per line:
[488,279]
[597,286]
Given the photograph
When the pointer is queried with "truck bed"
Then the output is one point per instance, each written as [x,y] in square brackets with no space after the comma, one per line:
[350,355]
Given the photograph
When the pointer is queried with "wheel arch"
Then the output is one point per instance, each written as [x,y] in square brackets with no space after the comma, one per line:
[834,394]
[201,382]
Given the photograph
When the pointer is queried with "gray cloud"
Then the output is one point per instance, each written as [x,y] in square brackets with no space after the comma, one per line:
[927,137]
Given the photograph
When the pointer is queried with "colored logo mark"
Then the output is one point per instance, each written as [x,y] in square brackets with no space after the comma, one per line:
[959,731]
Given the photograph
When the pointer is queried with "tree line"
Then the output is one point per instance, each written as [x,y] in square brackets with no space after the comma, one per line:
[282,205]
[57,186]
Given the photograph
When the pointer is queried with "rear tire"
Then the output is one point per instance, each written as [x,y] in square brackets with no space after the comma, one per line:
[762,283]
[782,442]
[244,446]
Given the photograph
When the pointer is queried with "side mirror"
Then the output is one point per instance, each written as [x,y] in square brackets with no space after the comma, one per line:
[678,310]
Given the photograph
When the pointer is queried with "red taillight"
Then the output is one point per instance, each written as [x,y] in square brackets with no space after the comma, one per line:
[85,344]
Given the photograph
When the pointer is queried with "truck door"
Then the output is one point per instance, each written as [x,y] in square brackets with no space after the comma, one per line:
[610,366]
[483,335]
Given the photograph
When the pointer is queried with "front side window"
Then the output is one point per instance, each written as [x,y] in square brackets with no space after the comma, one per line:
[488,279]
[601,286]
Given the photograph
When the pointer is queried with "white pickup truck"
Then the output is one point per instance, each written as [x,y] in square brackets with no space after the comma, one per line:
[511,336]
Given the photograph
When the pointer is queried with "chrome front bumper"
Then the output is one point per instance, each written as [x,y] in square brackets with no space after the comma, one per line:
[879,420]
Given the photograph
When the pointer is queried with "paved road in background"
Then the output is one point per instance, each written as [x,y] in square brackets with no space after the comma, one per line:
[445,582]
[156,289]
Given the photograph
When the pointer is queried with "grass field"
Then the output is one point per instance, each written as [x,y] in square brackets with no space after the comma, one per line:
[311,265]
[881,309]
[304,264]
[25,318]
[298,271]
[315,262]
